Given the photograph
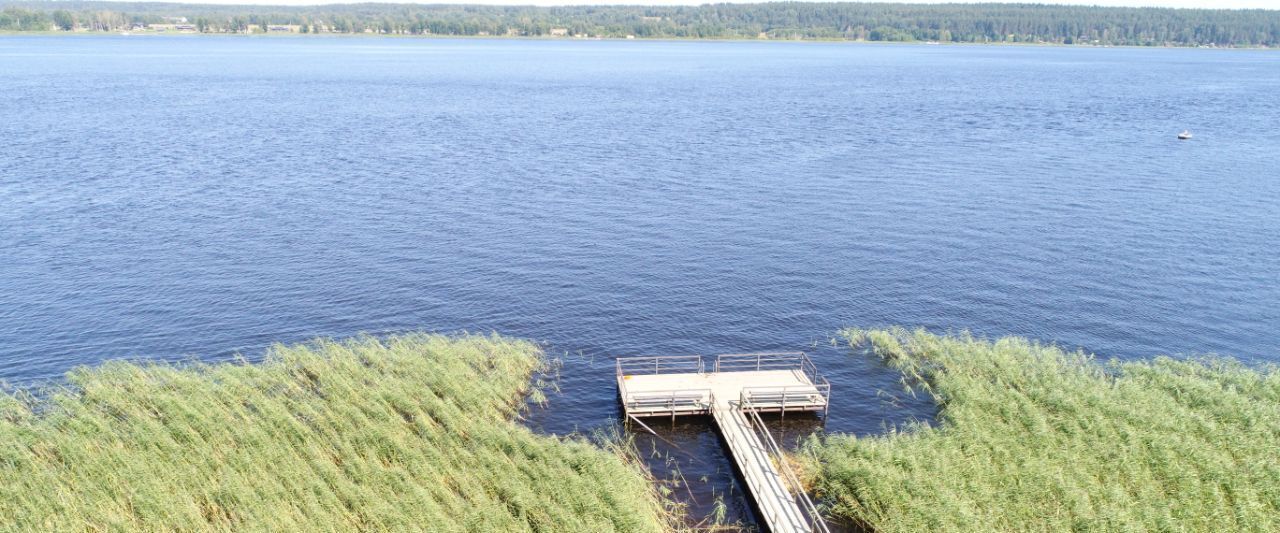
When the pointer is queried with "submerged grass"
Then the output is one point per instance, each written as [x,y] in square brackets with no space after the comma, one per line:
[1034,438]
[406,432]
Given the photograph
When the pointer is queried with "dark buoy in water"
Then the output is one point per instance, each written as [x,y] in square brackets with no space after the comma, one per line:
[1184,135]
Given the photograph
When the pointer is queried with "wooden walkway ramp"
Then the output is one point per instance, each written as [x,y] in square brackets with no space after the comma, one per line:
[734,390]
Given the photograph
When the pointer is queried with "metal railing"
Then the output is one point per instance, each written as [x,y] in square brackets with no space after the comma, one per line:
[661,364]
[730,362]
[667,401]
[811,515]
[739,362]
[780,397]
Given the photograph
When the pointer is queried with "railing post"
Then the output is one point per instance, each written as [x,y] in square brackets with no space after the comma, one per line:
[757,362]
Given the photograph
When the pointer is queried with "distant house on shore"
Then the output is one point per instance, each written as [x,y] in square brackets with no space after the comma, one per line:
[559,32]
[184,28]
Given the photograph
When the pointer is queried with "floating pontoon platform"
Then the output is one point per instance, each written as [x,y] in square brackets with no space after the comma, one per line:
[734,390]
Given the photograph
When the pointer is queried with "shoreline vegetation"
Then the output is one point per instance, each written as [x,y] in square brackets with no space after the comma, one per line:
[1030,437]
[393,433]
[989,23]
[196,35]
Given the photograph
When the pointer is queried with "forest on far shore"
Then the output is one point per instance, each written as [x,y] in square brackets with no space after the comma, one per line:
[958,23]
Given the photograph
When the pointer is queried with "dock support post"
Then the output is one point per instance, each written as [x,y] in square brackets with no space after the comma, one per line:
[642,424]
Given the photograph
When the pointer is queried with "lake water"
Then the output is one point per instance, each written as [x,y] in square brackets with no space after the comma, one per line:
[173,198]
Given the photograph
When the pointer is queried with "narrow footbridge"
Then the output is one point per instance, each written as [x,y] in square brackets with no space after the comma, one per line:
[734,389]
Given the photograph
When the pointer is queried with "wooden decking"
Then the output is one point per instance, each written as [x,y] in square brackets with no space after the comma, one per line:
[734,390]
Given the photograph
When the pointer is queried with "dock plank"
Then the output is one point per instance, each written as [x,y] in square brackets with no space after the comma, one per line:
[774,500]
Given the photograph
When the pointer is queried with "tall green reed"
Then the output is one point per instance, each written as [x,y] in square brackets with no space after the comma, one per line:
[1030,437]
[410,432]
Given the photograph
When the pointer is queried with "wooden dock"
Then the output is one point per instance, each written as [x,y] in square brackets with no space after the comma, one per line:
[734,389]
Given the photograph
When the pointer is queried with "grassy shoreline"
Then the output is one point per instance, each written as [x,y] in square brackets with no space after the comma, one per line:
[1034,438]
[403,432]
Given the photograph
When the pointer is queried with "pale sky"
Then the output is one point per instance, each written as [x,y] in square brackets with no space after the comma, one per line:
[1217,4]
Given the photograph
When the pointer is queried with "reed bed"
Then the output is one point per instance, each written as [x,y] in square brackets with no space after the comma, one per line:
[1030,437]
[411,432]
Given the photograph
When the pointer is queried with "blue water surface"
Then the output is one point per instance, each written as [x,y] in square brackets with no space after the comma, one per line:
[175,198]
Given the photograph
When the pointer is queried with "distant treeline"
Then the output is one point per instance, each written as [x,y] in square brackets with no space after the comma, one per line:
[963,23]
